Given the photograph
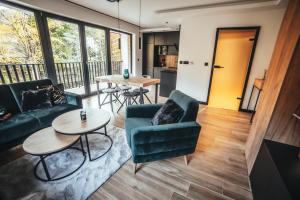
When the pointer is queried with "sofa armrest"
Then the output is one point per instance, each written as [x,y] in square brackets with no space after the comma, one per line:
[74,99]
[142,111]
[162,133]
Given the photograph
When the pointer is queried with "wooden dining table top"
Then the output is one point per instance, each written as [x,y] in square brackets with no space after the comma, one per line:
[133,80]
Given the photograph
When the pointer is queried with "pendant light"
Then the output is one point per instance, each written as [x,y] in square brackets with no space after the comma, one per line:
[140,39]
[119,40]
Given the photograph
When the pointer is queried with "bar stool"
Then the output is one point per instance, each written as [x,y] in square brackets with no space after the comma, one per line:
[111,92]
[144,91]
[125,88]
[129,98]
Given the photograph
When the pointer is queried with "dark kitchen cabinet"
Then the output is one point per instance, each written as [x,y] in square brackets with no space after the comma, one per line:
[151,43]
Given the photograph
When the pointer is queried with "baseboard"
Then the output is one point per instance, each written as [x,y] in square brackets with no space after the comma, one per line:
[201,102]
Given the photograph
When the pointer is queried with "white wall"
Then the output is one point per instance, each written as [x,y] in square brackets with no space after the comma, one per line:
[64,8]
[197,40]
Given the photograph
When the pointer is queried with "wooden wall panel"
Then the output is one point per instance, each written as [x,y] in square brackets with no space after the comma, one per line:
[283,51]
[284,127]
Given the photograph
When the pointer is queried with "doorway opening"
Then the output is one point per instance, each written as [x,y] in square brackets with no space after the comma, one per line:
[231,66]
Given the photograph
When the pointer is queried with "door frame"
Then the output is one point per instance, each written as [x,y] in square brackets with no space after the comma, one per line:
[246,82]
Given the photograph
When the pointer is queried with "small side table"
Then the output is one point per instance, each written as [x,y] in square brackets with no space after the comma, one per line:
[258,84]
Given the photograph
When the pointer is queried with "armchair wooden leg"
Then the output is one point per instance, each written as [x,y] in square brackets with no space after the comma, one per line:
[186,159]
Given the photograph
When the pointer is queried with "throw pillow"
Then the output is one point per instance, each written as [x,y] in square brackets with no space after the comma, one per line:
[34,99]
[57,94]
[169,113]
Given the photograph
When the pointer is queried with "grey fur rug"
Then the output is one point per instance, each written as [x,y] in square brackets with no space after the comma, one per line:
[17,180]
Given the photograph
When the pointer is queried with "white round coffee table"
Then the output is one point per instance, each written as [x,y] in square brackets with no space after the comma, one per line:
[70,124]
[46,142]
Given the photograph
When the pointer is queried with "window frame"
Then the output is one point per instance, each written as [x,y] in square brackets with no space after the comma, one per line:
[44,35]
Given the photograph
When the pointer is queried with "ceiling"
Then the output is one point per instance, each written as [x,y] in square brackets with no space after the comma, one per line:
[169,13]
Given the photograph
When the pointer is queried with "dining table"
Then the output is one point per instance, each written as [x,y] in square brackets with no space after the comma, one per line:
[138,81]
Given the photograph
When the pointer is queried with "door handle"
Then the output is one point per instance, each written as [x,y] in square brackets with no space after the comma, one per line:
[218,67]
[239,98]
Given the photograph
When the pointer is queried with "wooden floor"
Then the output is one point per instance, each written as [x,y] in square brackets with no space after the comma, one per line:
[217,170]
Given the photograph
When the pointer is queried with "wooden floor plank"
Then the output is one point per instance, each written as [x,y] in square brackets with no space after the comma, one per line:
[199,193]
[236,192]
[217,170]
[176,196]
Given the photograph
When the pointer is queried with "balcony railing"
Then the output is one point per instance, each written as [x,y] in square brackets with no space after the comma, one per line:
[70,74]
[13,73]
[116,67]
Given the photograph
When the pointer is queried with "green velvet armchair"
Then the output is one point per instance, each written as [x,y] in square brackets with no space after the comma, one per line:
[149,143]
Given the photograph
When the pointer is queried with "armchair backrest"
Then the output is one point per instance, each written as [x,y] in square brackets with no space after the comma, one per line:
[8,100]
[187,103]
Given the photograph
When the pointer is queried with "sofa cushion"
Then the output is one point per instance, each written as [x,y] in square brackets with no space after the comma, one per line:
[17,88]
[7,100]
[131,123]
[169,113]
[45,116]
[18,126]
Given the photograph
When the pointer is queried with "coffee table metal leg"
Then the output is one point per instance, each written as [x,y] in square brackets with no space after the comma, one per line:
[88,145]
[81,145]
[45,168]
[43,161]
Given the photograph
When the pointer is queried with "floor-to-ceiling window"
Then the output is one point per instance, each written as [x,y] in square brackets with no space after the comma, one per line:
[95,40]
[21,57]
[120,46]
[65,43]
[75,52]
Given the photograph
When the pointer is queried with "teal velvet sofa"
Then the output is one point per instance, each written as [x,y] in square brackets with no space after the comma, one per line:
[149,143]
[22,124]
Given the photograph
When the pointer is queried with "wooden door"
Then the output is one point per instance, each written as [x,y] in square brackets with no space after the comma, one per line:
[232,58]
